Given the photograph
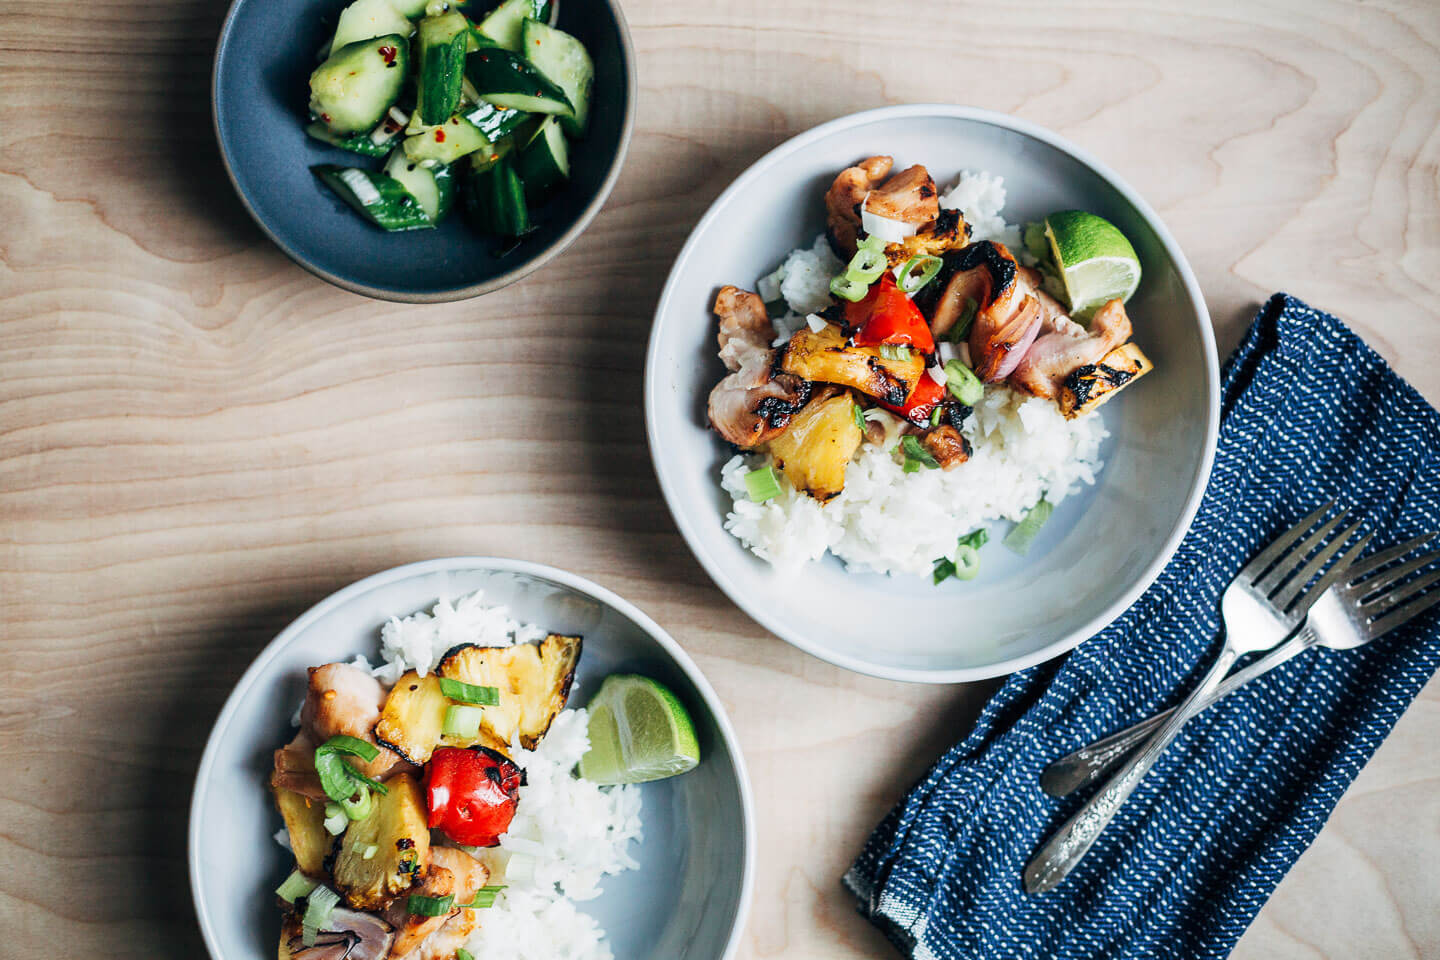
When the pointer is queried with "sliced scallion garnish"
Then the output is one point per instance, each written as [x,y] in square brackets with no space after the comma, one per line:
[936,414]
[929,267]
[866,266]
[894,351]
[962,383]
[296,885]
[484,897]
[762,484]
[1023,535]
[847,289]
[462,954]
[469,692]
[319,905]
[967,558]
[859,417]
[463,721]
[338,778]
[351,745]
[429,906]
[962,326]
[335,819]
[360,806]
[917,456]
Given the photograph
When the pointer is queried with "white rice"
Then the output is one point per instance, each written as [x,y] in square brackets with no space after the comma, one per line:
[567,834]
[890,521]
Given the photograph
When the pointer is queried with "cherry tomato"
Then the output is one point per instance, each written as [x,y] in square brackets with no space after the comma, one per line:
[888,315]
[471,794]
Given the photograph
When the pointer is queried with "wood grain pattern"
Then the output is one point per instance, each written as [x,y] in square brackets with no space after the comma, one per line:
[198,439]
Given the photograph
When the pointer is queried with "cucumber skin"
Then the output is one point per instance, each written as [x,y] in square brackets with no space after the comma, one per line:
[574,73]
[355,143]
[332,76]
[504,23]
[495,201]
[502,74]
[442,48]
[397,210]
[537,166]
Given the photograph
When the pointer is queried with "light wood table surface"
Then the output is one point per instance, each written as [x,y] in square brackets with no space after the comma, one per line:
[198,439]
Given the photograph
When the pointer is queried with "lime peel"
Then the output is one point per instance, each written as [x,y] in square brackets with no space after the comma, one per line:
[639,731]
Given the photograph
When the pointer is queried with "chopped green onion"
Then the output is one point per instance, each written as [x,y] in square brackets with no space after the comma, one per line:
[463,721]
[929,267]
[894,351]
[944,570]
[962,383]
[847,289]
[462,954]
[339,779]
[976,538]
[1020,538]
[319,905]
[359,777]
[936,414]
[962,326]
[370,852]
[335,819]
[859,416]
[295,886]
[871,242]
[967,558]
[866,266]
[967,563]
[917,456]
[430,906]
[484,897]
[763,484]
[360,806]
[469,692]
[351,745]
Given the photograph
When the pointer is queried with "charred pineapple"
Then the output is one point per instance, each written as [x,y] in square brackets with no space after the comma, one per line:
[1091,385]
[826,357]
[413,717]
[305,823]
[814,452]
[397,830]
[947,232]
[533,679]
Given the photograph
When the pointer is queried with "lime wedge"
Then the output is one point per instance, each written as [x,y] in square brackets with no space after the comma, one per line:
[1095,262]
[639,731]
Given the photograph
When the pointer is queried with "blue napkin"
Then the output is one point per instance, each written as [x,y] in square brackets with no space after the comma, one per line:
[1309,412]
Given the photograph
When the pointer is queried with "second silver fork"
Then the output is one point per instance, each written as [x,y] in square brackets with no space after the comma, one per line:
[1263,605]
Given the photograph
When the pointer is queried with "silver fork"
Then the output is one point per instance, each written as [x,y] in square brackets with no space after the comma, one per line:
[1264,604]
[1361,606]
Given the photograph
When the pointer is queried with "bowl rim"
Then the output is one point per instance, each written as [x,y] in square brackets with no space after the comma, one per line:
[518,272]
[572,581]
[688,528]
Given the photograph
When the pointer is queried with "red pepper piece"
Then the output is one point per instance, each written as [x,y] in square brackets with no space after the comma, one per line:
[471,794]
[922,401]
[887,315]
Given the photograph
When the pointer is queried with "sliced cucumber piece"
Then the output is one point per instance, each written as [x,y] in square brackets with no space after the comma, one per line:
[376,143]
[544,162]
[504,23]
[380,199]
[446,143]
[508,80]
[352,90]
[432,186]
[367,19]
[564,61]
[495,200]
[442,43]
[414,9]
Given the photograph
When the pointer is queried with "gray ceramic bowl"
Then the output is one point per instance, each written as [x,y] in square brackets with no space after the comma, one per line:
[258,91]
[1103,546]
[688,899]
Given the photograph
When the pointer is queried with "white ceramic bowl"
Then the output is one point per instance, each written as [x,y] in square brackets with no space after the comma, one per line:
[1102,548]
[691,894]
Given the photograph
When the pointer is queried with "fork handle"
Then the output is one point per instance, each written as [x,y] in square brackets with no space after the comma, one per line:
[1072,841]
[1089,763]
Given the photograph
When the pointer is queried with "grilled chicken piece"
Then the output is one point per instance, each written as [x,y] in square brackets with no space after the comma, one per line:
[350,935]
[452,873]
[1008,316]
[945,233]
[343,699]
[1064,346]
[753,403]
[909,197]
[947,445]
[1088,387]
[827,357]
[843,199]
[295,768]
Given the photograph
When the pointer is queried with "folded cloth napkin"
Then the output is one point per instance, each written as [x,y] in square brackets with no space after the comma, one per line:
[1309,412]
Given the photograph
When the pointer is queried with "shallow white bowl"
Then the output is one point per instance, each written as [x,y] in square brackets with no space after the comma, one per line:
[691,894]
[1102,548]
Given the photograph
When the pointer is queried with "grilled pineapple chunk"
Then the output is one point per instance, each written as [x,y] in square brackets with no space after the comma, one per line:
[533,680]
[1091,385]
[413,717]
[396,828]
[826,357]
[817,446]
[305,822]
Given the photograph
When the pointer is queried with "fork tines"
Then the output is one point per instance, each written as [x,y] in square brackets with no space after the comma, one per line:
[1389,599]
[1283,582]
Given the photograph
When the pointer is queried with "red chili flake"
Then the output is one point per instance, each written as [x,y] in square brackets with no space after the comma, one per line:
[439,136]
[325,117]
[388,54]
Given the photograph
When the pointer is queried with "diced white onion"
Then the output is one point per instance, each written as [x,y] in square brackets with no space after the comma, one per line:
[891,231]
[815,322]
[359,183]
[768,286]
[937,374]
[399,116]
[947,352]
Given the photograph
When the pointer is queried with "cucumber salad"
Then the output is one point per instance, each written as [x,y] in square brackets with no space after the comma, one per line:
[480,108]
